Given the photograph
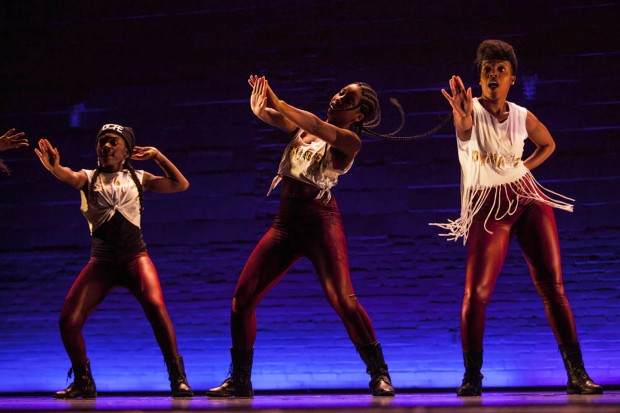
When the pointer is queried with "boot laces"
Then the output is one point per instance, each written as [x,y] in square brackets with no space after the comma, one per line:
[69,374]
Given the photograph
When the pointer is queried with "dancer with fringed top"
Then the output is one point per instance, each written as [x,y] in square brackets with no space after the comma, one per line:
[501,198]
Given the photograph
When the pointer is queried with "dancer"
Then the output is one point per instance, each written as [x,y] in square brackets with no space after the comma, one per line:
[500,197]
[112,202]
[308,224]
[10,141]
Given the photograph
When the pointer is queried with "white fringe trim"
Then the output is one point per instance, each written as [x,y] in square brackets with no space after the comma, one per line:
[473,199]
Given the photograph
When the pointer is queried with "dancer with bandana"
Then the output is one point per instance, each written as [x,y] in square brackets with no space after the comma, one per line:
[112,203]
[501,198]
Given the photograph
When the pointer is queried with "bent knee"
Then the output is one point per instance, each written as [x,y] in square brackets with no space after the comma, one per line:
[550,289]
[71,321]
[346,305]
[476,297]
[243,303]
[154,308]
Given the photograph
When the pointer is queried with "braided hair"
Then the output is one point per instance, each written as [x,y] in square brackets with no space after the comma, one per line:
[132,172]
[134,177]
[370,108]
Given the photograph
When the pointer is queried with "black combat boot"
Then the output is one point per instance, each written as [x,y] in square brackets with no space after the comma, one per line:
[239,383]
[83,385]
[472,379]
[578,380]
[178,380]
[380,381]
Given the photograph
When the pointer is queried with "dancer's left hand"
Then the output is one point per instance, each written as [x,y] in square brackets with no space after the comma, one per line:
[143,153]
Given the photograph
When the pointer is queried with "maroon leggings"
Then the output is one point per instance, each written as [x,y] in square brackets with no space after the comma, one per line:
[308,227]
[95,281]
[534,226]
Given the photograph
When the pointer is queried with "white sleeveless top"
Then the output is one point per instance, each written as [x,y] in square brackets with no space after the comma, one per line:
[492,159]
[114,191]
[311,163]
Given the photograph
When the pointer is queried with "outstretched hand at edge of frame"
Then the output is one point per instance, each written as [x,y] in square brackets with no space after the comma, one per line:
[9,141]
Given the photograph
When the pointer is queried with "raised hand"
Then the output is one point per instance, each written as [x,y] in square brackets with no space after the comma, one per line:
[8,141]
[272,99]
[48,155]
[143,153]
[261,82]
[258,99]
[461,99]
[266,105]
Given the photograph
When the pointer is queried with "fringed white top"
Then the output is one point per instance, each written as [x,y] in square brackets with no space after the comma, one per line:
[491,165]
[311,163]
[113,192]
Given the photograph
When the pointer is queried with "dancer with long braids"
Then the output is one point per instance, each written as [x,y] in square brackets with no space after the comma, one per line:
[308,224]
[112,203]
[500,197]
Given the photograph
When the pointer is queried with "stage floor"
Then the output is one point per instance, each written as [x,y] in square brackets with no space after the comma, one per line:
[503,402]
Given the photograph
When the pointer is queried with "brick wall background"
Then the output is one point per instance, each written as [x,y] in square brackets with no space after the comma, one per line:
[177,73]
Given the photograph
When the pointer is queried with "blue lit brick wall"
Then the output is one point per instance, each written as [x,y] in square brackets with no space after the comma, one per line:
[178,74]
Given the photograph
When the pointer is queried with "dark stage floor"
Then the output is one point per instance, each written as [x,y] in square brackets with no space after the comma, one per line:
[522,401]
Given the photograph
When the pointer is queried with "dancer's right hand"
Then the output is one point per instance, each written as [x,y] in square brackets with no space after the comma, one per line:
[48,155]
[461,99]
[258,99]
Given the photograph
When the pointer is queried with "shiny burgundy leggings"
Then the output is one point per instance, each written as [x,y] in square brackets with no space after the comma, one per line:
[95,281]
[535,229]
[306,227]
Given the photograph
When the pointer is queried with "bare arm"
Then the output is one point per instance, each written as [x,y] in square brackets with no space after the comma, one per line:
[50,158]
[263,109]
[342,139]
[540,136]
[462,107]
[174,181]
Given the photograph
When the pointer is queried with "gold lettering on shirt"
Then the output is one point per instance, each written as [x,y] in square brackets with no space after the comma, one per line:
[495,159]
[308,156]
